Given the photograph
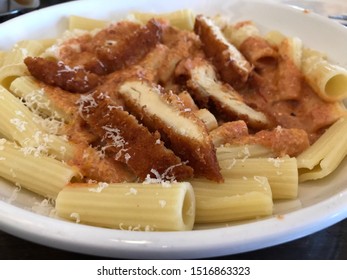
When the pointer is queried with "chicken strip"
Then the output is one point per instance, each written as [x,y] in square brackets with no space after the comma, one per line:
[132,48]
[130,142]
[228,60]
[75,79]
[205,87]
[184,132]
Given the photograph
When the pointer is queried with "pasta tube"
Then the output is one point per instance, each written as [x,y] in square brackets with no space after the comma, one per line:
[325,155]
[238,33]
[233,208]
[328,80]
[12,62]
[131,206]
[204,188]
[42,175]
[231,152]
[291,48]
[83,23]
[274,37]
[207,118]
[235,199]
[9,72]
[34,96]
[21,50]
[19,124]
[2,56]
[289,65]
[182,19]
[282,173]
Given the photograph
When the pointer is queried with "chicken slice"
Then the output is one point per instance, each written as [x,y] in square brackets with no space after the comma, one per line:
[130,142]
[73,79]
[184,132]
[132,48]
[205,86]
[228,60]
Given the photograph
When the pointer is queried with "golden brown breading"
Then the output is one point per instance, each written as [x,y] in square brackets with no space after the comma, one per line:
[93,166]
[132,48]
[83,50]
[282,141]
[231,64]
[132,143]
[75,79]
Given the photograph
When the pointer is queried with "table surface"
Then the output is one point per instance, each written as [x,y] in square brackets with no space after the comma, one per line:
[327,244]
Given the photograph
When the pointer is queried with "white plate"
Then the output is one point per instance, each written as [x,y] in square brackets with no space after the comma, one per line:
[320,204]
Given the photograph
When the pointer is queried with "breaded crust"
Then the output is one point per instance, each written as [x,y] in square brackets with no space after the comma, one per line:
[230,63]
[132,48]
[75,79]
[102,169]
[132,143]
[282,141]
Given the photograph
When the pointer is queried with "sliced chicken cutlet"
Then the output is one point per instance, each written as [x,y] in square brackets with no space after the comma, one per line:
[81,79]
[132,48]
[131,143]
[184,132]
[205,86]
[72,79]
[228,60]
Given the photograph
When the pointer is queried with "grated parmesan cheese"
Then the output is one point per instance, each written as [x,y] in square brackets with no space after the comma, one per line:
[261,180]
[276,161]
[132,191]
[231,164]
[75,216]
[14,194]
[45,207]
[149,228]
[19,113]
[19,124]
[117,141]
[101,186]
[162,203]
[24,52]
[85,103]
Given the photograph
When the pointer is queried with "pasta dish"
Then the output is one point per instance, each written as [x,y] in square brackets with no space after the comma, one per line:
[161,122]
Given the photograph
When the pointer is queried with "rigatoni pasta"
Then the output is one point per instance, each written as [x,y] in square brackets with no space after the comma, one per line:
[324,156]
[83,23]
[329,80]
[40,174]
[183,19]
[282,173]
[136,206]
[19,124]
[27,88]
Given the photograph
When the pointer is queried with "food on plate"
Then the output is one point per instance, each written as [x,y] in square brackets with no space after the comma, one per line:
[161,122]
